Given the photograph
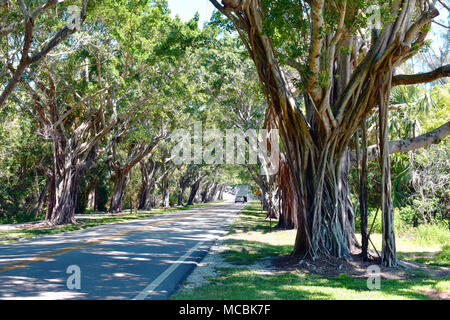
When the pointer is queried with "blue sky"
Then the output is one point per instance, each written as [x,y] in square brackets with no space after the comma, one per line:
[187,8]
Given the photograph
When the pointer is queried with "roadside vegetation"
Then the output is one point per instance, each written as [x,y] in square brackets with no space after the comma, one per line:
[250,242]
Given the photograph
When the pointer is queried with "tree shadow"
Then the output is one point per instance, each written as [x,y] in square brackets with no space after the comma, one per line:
[244,284]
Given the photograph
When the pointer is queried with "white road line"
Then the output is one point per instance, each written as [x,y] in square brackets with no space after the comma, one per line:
[152,286]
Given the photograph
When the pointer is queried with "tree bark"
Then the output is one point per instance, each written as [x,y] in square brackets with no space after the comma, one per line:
[193,193]
[166,191]
[135,156]
[120,182]
[389,254]
[287,217]
[149,169]
[68,168]
[180,201]
[363,193]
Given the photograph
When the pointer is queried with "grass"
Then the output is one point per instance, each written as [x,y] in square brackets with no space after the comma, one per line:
[249,239]
[427,244]
[87,221]
[243,284]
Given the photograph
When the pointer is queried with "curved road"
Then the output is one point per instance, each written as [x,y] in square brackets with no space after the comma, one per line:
[140,259]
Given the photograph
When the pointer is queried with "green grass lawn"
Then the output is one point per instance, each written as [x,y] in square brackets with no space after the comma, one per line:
[249,239]
[87,221]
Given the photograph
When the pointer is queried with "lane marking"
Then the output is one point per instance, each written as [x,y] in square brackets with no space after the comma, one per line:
[163,276]
[45,256]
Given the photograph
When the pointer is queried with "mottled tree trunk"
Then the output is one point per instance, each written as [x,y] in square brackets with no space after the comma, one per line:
[210,192]
[389,254]
[193,193]
[166,191]
[120,181]
[66,174]
[287,218]
[180,197]
[149,169]
[363,193]
[221,191]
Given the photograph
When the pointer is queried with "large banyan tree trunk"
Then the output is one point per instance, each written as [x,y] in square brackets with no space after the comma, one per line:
[315,142]
[68,168]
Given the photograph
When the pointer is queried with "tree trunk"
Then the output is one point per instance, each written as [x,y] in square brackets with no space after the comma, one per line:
[204,193]
[166,191]
[389,254]
[325,217]
[210,192]
[67,171]
[66,199]
[363,193]
[51,199]
[149,169]
[145,198]
[181,190]
[120,181]
[287,218]
[38,208]
[194,189]
[221,191]
[63,197]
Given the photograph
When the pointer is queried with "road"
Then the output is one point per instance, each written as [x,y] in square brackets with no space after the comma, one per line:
[140,259]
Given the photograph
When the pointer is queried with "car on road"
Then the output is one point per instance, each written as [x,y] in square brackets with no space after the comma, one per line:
[241,193]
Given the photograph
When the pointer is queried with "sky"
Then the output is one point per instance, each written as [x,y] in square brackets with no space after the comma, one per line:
[186,9]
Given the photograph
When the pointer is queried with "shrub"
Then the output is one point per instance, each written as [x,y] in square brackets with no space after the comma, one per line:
[444,256]
[432,234]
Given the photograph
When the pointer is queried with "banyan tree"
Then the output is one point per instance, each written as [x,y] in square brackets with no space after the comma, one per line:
[325,66]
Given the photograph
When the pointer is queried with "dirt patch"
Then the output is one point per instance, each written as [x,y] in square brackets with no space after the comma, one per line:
[436,294]
[46,225]
[35,226]
[355,267]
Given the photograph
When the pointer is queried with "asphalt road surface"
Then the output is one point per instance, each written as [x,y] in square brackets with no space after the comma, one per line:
[141,259]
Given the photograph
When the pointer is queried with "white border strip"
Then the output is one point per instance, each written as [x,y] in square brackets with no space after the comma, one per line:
[163,276]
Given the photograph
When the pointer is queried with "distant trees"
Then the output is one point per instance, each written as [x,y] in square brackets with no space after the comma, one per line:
[102,102]
[75,136]
[104,94]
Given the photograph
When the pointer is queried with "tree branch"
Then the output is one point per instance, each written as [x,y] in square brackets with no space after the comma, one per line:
[438,73]
[26,60]
[316,47]
[36,13]
[402,146]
